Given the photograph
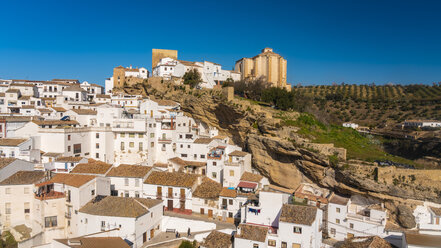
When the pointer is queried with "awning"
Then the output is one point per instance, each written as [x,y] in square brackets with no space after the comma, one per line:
[247,185]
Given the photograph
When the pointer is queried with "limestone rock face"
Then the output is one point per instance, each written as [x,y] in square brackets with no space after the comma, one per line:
[278,152]
[405,216]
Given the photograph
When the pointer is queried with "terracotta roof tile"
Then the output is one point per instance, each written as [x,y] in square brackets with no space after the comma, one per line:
[182,162]
[340,200]
[11,141]
[92,167]
[226,192]
[126,170]
[73,180]
[119,206]
[59,109]
[55,122]
[6,161]
[251,177]
[297,214]
[238,153]
[102,96]
[365,242]
[96,242]
[251,232]
[423,240]
[218,239]
[171,179]
[208,189]
[65,159]
[24,177]
[437,211]
[84,111]
[202,140]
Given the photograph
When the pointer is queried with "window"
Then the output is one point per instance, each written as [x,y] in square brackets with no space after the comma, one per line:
[126,181]
[77,148]
[338,210]
[122,146]
[92,192]
[8,208]
[140,135]
[351,225]
[152,144]
[183,155]
[137,182]
[188,146]
[214,163]
[255,245]
[126,193]
[97,145]
[231,173]
[50,221]
[68,137]
[97,135]
[230,201]
[337,221]
[297,229]
[27,207]
[180,135]
[136,194]
[131,135]
[122,135]
[182,146]
[214,174]
[68,148]
[333,231]
[8,191]
[152,135]
[97,155]
[202,155]
[140,146]
[195,156]
[131,144]
[103,224]
[271,242]
[230,215]
[26,190]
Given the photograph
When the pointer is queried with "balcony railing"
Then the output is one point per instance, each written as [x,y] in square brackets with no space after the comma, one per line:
[214,156]
[363,218]
[164,140]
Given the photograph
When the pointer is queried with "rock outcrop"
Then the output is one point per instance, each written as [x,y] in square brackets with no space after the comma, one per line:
[278,156]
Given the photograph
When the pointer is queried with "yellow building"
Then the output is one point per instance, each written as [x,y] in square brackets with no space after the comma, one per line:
[268,64]
[123,76]
[158,54]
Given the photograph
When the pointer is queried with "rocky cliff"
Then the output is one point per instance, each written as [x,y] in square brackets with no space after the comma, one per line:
[278,156]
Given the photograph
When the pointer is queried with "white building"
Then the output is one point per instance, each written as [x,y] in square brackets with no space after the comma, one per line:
[355,217]
[428,218]
[251,236]
[9,166]
[205,198]
[127,180]
[16,148]
[350,125]
[300,226]
[173,188]
[212,74]
[136,218]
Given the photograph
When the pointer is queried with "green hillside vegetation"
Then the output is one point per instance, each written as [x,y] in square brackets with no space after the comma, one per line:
[358,146]
[372,105]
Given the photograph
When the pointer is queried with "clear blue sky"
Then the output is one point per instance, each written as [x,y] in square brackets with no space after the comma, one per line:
[351,41]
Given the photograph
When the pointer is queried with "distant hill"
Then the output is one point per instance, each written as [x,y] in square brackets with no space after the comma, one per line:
[372,105]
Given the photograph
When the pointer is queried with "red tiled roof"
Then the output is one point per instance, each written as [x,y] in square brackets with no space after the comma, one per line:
[247,185]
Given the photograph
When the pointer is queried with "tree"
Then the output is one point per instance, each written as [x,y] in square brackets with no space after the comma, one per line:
[186,244]
[228,83]
[192,78]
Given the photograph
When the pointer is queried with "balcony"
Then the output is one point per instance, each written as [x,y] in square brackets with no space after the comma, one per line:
[49,196]
[224,207]
[214,156]
[363,218]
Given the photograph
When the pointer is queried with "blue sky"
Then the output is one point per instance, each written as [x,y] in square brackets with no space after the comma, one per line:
[351,41]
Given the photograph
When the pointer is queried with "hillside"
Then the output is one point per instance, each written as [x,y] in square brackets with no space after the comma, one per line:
[276,139]
[371,105]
